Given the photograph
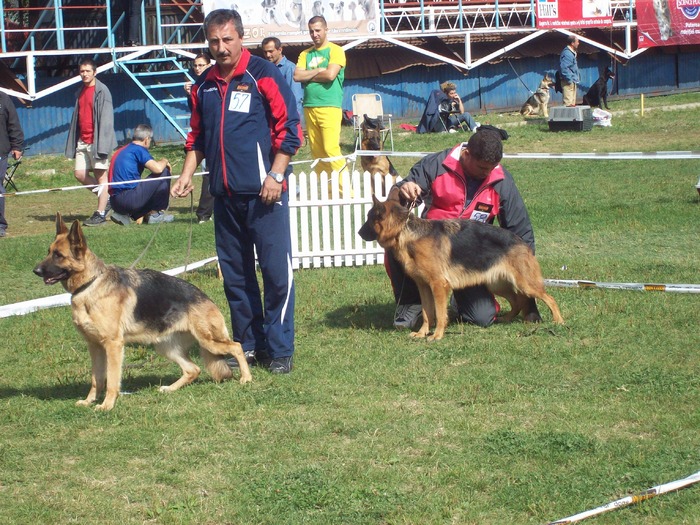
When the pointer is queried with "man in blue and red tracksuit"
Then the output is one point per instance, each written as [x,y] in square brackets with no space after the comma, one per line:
[245,123]
[465,182]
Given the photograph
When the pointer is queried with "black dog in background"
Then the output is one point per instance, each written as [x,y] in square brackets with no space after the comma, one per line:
[598,93]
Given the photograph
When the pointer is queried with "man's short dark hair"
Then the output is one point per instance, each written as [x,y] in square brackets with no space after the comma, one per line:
[203,55]
[220,17]
[88,62]
[273,39]
[486,145]
[318,18]
[572,39]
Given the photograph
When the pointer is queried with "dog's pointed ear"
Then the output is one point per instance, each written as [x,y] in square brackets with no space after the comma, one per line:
[77,239]
[375,200]
[60,225]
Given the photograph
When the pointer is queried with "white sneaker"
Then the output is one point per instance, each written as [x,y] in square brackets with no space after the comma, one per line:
[407,315]
[120,218]
[477,125]
[452,130]
[158,217]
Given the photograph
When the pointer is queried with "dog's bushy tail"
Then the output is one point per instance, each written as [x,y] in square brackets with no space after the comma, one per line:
[216,365]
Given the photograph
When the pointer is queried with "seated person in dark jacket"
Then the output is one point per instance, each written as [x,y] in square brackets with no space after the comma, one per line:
[453,111]
[463,182]
[133,200]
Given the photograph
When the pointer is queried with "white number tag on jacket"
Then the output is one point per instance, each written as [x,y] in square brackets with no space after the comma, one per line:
[240,102]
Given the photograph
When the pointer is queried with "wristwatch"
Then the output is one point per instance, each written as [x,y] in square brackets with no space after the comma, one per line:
[279,177]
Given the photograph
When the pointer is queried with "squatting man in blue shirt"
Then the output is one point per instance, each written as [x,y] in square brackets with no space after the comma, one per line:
[147,200]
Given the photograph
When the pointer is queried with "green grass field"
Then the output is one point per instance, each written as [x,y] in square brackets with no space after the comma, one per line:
[512,424]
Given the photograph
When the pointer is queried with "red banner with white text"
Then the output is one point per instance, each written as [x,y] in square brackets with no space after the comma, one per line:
[668,22]
[572,14]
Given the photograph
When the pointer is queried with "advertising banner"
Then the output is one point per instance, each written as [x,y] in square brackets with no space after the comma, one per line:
[668,22]
[571,14]
[288,19]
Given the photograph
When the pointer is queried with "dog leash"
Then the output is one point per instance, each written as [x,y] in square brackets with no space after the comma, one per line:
[155,232]
[519,78]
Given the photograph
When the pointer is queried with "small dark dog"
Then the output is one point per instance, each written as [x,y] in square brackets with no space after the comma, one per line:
[113,306]
[445,255]
[538,103]
[599,91]
[372,141]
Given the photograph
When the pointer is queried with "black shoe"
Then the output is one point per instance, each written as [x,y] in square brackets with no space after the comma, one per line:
[281,365]
[96,220]
[249,356]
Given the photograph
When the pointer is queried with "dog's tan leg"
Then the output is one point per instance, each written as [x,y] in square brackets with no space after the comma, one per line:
[441,291]
[553,306]
[209,328]
[516,301]
[98,359]
[114,351]
[237,350]
[175,348]
[428,310]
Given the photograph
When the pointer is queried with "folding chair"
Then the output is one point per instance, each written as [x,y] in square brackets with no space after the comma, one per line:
[7,181]
[370,104]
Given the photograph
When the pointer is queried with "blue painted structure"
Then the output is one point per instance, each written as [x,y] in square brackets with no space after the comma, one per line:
[487,88]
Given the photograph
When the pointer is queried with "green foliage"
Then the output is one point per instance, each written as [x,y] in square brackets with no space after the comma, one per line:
[513,424]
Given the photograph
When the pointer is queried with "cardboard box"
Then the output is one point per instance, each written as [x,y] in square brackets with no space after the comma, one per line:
[578,118]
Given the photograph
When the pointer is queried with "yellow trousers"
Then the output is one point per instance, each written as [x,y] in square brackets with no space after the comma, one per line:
[323,126]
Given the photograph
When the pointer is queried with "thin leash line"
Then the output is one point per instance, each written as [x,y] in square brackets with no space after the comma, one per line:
[519,78]
[155,232]
[411,207]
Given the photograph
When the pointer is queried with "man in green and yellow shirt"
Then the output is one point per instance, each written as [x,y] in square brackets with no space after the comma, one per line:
[321,70]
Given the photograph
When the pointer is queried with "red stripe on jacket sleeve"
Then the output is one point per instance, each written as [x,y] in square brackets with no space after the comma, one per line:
[285,130]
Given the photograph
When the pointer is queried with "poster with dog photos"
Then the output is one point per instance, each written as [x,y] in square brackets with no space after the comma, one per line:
[668,22]
[561,14]
[288,19]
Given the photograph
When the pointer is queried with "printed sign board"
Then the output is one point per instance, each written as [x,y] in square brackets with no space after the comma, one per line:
[288,19]
[568,14]
[668,22]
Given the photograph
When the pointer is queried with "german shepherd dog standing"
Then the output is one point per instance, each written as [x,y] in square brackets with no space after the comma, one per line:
[445,255]
[372,141]
[112,306]
[597,95]
[538,103]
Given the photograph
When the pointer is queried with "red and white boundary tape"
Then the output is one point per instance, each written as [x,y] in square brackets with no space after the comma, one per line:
[27,307]
[639,287]
[631,500]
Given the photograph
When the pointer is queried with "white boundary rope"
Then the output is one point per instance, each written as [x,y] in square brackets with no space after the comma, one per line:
[631,500]
[27,307]
[632,155]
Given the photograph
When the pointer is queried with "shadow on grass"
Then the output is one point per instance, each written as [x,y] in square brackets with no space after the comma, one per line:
[377,316]
[79,389]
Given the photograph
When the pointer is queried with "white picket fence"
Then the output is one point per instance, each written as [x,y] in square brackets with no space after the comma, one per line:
[326,214]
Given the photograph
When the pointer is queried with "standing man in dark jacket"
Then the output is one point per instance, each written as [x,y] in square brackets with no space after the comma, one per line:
[11,143]
[91,137]
[464,182]
[245,123]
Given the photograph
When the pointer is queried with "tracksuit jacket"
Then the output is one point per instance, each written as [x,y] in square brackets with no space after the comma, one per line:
[240,109]
[444,187]
[240,126]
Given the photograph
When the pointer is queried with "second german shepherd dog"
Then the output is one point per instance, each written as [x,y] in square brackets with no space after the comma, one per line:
[538,103]
[445,255]
[112,306]
[372,141]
